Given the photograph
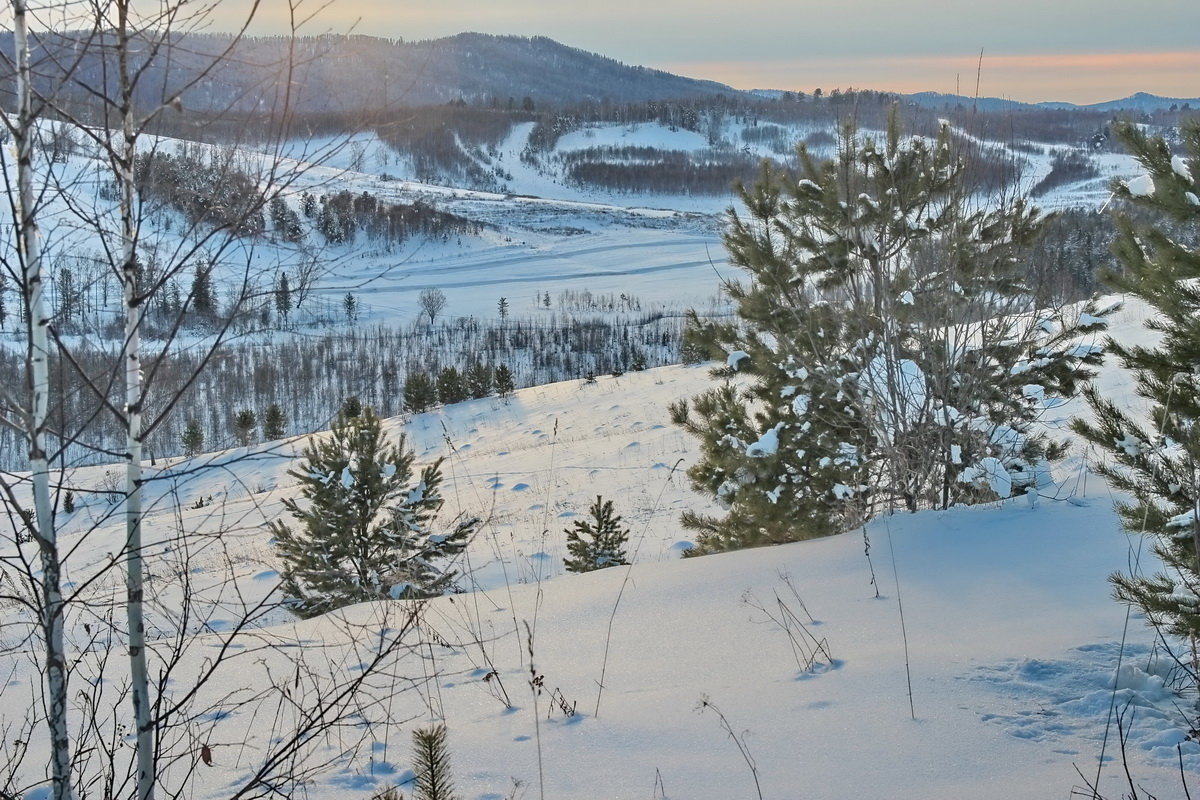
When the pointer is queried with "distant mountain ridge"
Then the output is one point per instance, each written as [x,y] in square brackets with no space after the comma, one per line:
[359,73]
[339,74]
[1141,101]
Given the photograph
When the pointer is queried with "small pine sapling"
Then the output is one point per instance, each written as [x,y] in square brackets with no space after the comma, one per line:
[479,380]
[275,422]
[431,763]
[420,393]
[597,542]
[451,386]
[366,529]
[192,438]
[505,384]
[244,423]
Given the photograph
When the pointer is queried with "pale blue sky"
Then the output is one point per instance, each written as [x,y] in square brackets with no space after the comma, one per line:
[1077,50]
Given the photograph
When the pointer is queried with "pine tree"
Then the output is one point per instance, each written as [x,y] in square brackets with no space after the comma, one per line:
[886,353]
[285,220]
[244,423]
[275,422]
[505,384]
[351,407]
[192,438]
[451,387]
[479,380]
[596,542]
[202,297]
[283,297]
[1155,458]
[420,393]
[365,531]
[3,307]
[431,763]
[68,298]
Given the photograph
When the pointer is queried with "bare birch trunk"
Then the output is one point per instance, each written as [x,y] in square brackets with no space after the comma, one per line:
[131,357]
[43,531]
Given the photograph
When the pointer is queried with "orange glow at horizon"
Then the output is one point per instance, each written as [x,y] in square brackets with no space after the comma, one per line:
[1075,77]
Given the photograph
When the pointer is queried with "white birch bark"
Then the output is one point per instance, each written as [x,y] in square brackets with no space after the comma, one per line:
[131,357]
[44,534]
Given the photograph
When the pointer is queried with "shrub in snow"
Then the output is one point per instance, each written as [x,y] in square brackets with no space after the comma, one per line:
[597,542]
[887,352]
[1156,459]
[365,529]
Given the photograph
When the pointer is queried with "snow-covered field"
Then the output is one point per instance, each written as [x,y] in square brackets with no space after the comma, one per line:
[555,236]
[974,652]
[970,653]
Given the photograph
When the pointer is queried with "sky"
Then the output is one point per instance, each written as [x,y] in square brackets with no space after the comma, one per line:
[1032,50]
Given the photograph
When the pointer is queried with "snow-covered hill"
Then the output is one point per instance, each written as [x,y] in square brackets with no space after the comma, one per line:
[974,652]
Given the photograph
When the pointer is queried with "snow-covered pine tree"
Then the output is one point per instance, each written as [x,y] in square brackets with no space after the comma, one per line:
[365,531]
[597,541]
[1155,453]
[886,352]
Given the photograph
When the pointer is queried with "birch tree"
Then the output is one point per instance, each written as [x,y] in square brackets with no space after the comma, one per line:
[89,755]
[25,207]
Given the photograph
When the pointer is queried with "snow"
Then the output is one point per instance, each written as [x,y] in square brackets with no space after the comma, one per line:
[1180,167]
[991,473]
[1084,349]
[1184,520]
[1130,444]
[735,358]
[1141,186]
[901,382]
[1016,651]
[767,444]
[1012,655]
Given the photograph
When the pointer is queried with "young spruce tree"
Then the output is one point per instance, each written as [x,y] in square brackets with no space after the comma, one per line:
[365,531]
[596,542]
[886,354]
[1155,453]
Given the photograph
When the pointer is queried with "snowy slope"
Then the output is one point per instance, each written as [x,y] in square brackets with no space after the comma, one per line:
[997,619]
